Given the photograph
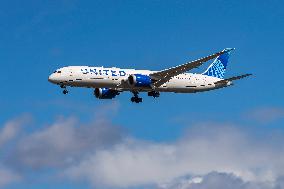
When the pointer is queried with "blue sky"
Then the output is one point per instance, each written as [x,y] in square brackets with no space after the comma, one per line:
[38,37]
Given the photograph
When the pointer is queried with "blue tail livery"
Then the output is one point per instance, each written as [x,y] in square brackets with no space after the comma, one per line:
[219,65]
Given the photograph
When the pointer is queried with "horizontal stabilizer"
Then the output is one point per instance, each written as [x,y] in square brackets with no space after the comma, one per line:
[225,81]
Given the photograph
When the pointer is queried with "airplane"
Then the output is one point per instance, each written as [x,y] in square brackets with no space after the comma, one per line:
[110,82]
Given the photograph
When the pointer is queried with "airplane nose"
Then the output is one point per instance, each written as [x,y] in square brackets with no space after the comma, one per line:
[51,78]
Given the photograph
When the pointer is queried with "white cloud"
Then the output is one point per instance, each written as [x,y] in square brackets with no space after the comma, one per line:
[7,177]
[62,143]
[215,180]
[203,149]
[11,129]
[100,153]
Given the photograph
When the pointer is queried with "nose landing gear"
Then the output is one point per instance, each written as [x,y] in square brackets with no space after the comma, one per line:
[65,91]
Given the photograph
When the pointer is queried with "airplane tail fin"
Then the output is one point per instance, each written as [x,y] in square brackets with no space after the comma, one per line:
[219,65]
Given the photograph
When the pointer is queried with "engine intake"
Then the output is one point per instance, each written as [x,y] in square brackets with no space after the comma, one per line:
[139,80]
[105,93]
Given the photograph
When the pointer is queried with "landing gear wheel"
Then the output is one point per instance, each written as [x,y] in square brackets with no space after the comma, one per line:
[135,98]
[154,94]
[65,91]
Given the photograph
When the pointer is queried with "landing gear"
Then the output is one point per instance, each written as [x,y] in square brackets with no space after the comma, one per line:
[154,94]
[65,91]
[136,98]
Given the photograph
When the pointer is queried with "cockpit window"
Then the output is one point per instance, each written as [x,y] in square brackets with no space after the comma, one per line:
[59,72]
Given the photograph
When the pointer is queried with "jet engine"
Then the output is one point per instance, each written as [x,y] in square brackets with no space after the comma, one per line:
[139,80]
[105,93]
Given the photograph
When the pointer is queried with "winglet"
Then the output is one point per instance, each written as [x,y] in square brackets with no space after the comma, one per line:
[228,49]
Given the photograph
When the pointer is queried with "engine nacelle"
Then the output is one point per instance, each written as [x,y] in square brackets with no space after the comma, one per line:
[139,80]
[105,93]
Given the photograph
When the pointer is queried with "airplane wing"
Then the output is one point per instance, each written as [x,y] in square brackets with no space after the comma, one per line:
[164,76]
[225,81]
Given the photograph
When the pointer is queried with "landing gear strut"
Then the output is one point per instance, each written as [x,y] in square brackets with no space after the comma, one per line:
[136,98]
[65,91]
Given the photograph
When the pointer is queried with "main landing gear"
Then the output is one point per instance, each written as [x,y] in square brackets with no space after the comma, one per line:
[65,91]
[154,94]
[136,98]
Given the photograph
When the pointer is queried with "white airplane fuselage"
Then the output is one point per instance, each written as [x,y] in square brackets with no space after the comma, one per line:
[115,78]
[110,82]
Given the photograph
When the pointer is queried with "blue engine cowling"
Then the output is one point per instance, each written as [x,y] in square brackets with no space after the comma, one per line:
[105,93]
[139,80]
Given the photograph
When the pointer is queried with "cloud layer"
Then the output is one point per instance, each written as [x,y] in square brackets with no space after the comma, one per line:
[8,134]
[12,128]
[7,177]
[62,143]
[207,155]
[203,149]
[215,180]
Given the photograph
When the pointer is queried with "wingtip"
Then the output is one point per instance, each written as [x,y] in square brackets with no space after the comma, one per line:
[247,75]
[229,49]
